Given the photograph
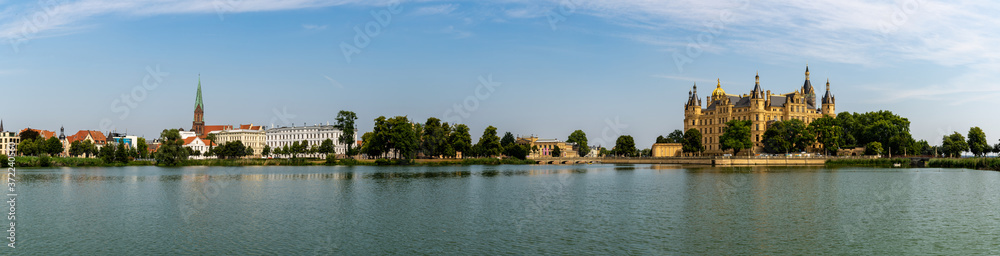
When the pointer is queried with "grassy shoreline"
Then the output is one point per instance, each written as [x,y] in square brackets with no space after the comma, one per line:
[49,162]
[868,162]
[968,163]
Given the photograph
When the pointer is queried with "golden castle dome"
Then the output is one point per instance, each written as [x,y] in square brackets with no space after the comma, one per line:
[718,92]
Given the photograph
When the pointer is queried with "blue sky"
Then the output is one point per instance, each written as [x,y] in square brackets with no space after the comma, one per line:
[551,67]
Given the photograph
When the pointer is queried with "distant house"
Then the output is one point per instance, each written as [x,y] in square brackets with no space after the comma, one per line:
[198,144]
[6,139]
[95,137]
[546,146]
[45,134]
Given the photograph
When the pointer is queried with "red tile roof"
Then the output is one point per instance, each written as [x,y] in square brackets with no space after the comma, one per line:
[98,137]
[191,139]
[251,127]
[212,128]
[45,134]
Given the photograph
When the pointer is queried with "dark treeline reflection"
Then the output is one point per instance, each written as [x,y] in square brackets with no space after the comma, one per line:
[237,174]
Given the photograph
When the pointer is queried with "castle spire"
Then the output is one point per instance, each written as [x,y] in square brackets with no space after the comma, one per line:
[807,71]
[1,125]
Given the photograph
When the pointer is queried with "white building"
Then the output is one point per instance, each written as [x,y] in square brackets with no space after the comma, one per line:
[313,135]
[250,135]
[197,144]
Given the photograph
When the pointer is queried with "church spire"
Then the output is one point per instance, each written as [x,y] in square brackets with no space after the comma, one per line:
[197,99]
[1,125]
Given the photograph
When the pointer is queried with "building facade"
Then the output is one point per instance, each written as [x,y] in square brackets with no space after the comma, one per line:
[198,144]
[313,135]
[250,135]
[8,141]
[546,146]
[666,150]
[759,107]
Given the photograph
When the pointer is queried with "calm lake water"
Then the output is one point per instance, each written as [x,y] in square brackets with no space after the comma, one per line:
[487,210]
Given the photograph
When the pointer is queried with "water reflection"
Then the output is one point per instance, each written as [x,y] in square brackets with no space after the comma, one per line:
[145,174]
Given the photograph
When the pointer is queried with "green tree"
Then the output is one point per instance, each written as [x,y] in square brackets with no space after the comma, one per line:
[677,136]
[625,146]
[873,148]
[368,146]
[977,142]
[692,141]
[828,132]
[76,148]
[519,151]
[850,128]
[580,138]
[211,137]
[286,150]
[787,136]
[507,140]
[29,134]
[294,149]
[171,151]
[953,145]
[461,140]
[924,148]
[122,153]
[142,148]
[345,123]
[53,146]
[107,154]
[489,143]
[326,147]
[403,137]
[736,136]
[266,151]
[556,152]
[435,137]
[396,135]
[88,148]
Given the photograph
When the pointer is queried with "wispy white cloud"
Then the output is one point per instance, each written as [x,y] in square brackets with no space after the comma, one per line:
[457,33]
[313,27]
[39,19]
[435,9]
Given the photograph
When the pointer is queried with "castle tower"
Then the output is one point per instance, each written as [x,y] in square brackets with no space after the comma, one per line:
[829,102]
[808,92]
[198,126]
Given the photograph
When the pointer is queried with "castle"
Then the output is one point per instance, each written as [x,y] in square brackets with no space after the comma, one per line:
[759,106]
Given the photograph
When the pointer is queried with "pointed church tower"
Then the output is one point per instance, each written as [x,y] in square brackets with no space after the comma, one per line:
[198,126]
